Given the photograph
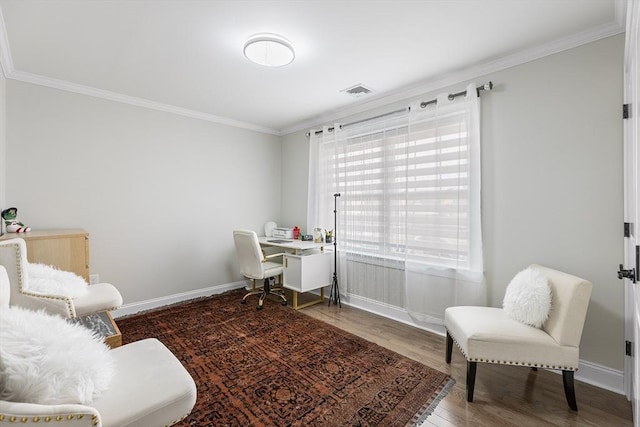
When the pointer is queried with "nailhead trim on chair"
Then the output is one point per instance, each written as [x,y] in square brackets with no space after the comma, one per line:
[23,291]
[47,418]
[515,363]
[70,308]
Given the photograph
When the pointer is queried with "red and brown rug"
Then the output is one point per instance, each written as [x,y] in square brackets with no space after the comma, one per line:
[279,367]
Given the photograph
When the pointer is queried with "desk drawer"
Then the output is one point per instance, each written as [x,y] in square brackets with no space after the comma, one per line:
[305,273]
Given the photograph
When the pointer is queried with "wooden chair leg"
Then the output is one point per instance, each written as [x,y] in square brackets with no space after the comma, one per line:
[569,391]
[471,379]
[449,348]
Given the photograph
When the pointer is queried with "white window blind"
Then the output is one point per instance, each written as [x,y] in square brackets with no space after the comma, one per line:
[406,191]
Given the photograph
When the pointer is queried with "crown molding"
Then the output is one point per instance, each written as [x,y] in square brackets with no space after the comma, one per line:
[132,100]
[607,30]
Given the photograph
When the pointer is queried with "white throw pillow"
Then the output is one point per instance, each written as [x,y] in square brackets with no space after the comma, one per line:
[528,298]
[46,279]
[45,359]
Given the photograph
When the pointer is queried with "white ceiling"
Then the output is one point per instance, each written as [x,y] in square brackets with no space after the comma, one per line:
[186,56]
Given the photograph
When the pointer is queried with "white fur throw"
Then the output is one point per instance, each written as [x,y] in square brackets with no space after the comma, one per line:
[528,298]
[48,280]
[45,359]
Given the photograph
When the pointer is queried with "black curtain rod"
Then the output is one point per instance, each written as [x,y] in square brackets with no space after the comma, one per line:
[452,96]
[423,104]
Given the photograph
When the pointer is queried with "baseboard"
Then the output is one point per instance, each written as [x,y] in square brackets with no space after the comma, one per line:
[588,372]
[390,312]
[137,307]
[600,376]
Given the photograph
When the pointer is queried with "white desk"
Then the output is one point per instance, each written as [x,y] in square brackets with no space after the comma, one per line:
[307,267]
[290,244]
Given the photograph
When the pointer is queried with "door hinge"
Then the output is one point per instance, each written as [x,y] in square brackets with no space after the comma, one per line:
[626,111]
[627,274]
[628,229]
[627,348]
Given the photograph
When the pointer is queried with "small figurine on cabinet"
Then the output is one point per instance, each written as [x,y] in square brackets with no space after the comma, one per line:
[11,224]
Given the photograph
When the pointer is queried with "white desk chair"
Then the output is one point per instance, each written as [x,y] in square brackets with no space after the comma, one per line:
[255,265]
[99,297]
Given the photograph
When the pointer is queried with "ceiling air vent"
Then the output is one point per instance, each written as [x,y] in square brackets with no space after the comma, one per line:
[357,91]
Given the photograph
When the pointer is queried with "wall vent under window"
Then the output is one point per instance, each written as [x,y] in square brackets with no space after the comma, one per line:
[357,90]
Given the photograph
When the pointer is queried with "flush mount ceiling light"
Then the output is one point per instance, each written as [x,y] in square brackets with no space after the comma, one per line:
[270,50]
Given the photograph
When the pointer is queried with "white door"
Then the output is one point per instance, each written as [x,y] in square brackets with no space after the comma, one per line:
[629,271]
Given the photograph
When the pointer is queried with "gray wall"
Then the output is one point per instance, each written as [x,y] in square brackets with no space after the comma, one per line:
[158,193]
[552,179]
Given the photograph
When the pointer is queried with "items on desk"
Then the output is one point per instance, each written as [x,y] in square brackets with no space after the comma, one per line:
[329,238]
[317,235]
[296,232]
[269,227]
[283,233]
[306,237]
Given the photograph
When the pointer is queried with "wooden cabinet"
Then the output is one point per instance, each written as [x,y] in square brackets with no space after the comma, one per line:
[66,249]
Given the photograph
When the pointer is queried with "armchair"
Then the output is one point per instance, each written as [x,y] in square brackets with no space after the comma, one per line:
[254,264]
[150,388]
[100,296]
[490,335]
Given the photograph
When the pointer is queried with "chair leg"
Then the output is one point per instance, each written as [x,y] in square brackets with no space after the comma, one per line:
[267,289]
[279,291]
[254,291]
[449,349]
[471,379]
[569,391]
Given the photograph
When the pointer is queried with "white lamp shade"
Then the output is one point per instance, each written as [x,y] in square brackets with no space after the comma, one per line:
[269,50]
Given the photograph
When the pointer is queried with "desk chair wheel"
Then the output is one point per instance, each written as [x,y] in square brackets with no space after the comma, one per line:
[243,302]
[258,307]
[284,303]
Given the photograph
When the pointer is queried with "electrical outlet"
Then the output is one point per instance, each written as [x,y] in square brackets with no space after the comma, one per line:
[93,279]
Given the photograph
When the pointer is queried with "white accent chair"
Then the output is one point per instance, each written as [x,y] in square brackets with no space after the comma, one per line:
[150,388]
[255,265]
[100,296]
[489,335]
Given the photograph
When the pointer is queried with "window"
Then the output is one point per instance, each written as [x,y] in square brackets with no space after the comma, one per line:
[408,219]
[406,189]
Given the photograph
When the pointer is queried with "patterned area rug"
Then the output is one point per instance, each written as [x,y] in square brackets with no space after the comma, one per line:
[279,367]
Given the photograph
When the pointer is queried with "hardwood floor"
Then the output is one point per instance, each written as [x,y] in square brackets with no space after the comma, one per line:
[504,395]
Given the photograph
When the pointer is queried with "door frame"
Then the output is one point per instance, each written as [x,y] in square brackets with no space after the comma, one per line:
[631,133]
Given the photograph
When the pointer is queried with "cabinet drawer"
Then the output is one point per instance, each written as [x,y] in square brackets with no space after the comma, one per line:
[305,273]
